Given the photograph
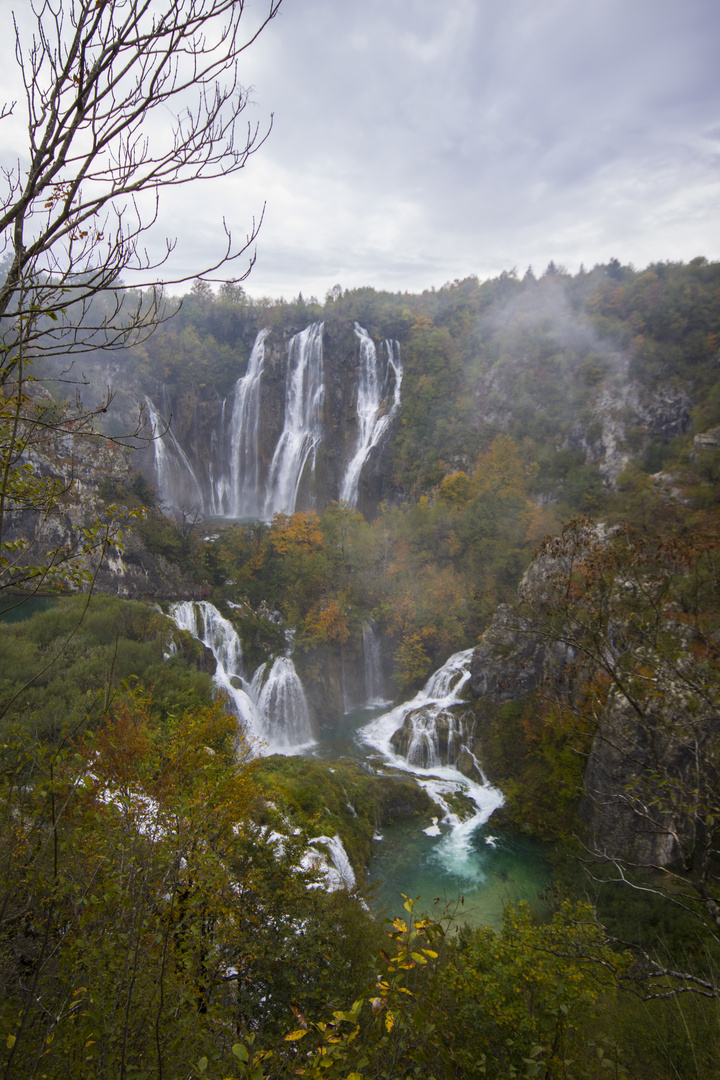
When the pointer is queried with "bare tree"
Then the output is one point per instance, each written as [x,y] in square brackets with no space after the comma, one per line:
[73,218]
[124,99]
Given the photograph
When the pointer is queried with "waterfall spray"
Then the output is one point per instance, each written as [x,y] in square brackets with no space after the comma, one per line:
[303,430]
[373,412]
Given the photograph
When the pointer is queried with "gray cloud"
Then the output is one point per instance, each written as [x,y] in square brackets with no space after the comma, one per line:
[416,142]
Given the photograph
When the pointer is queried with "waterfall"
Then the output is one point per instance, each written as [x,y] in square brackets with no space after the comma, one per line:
[244,497]
[218,488]
[337,869]
[234,479]
[373,666]
[425,714]
[203,620]
[281,705]
[176,480]
[447,682]
[272,709]
[233,485]
[373,412]
[303,430]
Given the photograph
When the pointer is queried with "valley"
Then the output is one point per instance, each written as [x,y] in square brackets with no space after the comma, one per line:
[421,588]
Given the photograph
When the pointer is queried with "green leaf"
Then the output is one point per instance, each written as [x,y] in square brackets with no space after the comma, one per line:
[240,1052]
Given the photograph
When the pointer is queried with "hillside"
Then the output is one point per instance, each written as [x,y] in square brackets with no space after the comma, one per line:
[493,506]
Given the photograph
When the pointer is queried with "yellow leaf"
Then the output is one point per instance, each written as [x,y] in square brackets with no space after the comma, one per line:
[389,1020]
[297,1034]
[10,1042]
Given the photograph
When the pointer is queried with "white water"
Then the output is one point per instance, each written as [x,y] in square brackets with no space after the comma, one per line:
[373,419]
[235,481]
[245,495]
[303,429]
[282,706]
[374,696]
[176,480]
[273,711]
[440,693]
[334,866]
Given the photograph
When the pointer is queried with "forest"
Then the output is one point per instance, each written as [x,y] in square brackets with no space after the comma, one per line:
[545,497]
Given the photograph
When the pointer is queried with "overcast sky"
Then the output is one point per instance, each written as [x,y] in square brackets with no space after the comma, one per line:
[419,141]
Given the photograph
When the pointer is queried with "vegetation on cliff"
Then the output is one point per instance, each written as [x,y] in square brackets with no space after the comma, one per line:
[155,921]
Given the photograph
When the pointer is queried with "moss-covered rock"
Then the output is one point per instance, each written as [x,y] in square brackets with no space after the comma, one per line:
[339,797]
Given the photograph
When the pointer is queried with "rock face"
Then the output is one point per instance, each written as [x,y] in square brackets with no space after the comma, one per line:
[115,560]
[289,431]
[660,414]
[656,744]
[630,812]
[512,659]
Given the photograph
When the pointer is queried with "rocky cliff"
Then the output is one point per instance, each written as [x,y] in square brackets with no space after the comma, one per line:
[297,420]
[588,640]
[75,539]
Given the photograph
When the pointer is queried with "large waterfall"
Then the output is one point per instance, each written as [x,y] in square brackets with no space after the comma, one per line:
[273,709]
[236,485]
[176,480]
[373,411]
[238,462]
[303,428]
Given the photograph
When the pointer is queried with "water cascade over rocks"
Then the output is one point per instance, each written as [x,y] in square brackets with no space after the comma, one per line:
[238,491]
[272,709]
[372,658]
[281,705]
[255,452]
[303,428]
[425,736]
[374,415]
[176,479]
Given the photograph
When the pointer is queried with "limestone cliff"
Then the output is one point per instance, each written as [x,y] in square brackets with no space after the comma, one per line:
[76,539]
[648,690]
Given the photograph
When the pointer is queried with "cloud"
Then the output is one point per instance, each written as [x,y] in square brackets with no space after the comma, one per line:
[415,142]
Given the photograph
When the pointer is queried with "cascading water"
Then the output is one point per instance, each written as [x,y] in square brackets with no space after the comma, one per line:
[431,708]
[374,378]
[244,495]
[374,695]
[430,717]
[281,705]
[176,480]
[454,857]
[273,709]
[204,621]
[303,429]
[226,472]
